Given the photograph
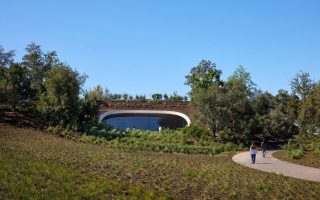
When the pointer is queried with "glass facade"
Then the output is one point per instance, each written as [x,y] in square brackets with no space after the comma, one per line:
[150,122]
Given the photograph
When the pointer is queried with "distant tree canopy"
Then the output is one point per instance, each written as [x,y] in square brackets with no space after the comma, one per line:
[237,106]
[43,83]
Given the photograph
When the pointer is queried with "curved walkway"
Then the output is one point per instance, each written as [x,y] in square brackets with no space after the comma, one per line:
[271,164]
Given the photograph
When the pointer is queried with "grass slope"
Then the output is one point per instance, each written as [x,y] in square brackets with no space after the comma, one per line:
[181,176]
[309,159]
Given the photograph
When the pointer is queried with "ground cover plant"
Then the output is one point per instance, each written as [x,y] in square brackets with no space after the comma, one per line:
[303,150]
[172,175]
[190,140]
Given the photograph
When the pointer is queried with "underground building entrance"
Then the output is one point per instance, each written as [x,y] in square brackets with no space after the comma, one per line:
[145,119]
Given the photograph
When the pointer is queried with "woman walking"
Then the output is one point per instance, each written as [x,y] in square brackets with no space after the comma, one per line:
[253,152]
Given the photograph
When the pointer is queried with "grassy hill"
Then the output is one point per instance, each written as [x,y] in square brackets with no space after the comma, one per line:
[38,165]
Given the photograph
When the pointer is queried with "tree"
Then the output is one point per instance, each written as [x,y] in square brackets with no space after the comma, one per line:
[301,84]
[125,96]
[309,115]
[176,97]
[6,58]
[59,103]
[263,104]
[288,103]
[157,96]
[212,107]
[166,97]
[241,80]
[88,108]
[18,85]
[38,64]
[278,126]
[203,76]
[96,94]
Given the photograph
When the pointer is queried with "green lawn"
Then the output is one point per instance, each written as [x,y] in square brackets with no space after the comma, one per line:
[37,164]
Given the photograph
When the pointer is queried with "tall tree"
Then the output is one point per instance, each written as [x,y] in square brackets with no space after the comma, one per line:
[309,115]
[59,102]
[18,85]
[301,84]
[203,76]
[38,64]
[6,59]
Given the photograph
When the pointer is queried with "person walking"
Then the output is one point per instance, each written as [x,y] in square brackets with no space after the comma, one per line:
[263,146]
[253,152]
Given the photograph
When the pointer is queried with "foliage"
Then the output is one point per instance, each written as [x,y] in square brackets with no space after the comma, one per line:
[301,84]
[203,76]
[60,101]
[309,115]
[110,173]
[157,96]
[18,85]
[195,131]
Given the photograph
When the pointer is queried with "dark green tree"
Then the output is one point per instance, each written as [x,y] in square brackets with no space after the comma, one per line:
[18,85]
[301,84]
[157,96]
[60,101]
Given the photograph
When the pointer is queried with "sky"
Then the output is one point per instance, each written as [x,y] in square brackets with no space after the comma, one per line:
[146,47]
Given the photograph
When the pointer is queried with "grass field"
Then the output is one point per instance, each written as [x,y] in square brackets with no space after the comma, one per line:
[37,165]
[309,159]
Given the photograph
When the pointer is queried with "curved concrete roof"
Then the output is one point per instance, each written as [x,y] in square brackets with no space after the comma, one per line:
[184,116]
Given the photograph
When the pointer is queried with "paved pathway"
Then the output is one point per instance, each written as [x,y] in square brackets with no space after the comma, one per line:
[271,164]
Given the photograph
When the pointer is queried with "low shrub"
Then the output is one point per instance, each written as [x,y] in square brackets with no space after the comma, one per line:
[196,131]
[295,154]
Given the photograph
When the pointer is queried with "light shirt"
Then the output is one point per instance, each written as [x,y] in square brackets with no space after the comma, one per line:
[253,151]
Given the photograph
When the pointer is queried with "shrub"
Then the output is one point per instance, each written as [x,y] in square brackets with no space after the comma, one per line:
[195,131]
[295,154]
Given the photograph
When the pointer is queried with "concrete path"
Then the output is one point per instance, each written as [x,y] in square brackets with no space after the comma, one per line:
[271,164]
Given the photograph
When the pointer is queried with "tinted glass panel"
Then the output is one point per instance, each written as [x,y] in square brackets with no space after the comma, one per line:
[145,122]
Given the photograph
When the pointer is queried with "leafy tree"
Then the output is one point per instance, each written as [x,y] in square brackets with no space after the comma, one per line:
[18,85]
[263,103]
[212,108]
[88,108]
[6,58]
[277,125]
[288,103]
[301,84]
[60,101]
[176,97]
[309,115]
[38,64]
[203,76]
[165,96]
[157,96]
[241,81]
[125,96]
[96,94]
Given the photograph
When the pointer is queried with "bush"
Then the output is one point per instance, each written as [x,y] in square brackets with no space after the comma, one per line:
[296,154]
[196,131]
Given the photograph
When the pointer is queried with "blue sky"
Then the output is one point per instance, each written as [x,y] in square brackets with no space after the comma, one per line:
[144,47]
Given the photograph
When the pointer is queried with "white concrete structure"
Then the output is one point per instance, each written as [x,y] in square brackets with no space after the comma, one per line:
[148,112]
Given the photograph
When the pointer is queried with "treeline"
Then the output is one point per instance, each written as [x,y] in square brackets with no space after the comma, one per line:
[46,87]
[157,96]
[235,109]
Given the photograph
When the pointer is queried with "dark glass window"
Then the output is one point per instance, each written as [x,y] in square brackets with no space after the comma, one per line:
[150,122]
